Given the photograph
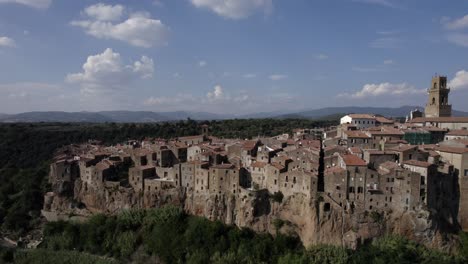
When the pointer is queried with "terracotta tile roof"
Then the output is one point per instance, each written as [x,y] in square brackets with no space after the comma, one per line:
[355,150]
[434,129]
[197,162]
[361,116]
[259,164]
[384,120]
[225,166]
[462,141]
[417,163]
[452,150]
[179,144]
[334,170]
[285,158]
[333,147]
[461,132]
[310,143]
[387,131]
[145,167]
[142,152]
[249,144]
[389,165]
[402,148]
[102,166]
[356,134]
[277,165]
[353,160]
[440,119]
[375,152]
[191,137]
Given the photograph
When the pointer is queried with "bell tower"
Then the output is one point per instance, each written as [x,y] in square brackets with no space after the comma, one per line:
[437,104]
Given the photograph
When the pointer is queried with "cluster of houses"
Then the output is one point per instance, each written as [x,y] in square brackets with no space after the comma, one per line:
[366,163]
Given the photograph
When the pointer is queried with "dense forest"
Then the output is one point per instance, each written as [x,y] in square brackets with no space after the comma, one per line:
[166,235]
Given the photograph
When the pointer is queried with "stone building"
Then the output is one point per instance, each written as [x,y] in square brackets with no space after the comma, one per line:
[457,134]
[137,176]
[437,104]
[357,138]
[359,120]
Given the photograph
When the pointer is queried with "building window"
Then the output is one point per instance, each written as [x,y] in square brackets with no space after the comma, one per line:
[466,173]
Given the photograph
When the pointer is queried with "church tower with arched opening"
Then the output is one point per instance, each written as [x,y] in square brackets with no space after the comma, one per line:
[437,104]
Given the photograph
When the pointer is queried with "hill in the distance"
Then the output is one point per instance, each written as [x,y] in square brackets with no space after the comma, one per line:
[107,116]
[148,116]
[337,111]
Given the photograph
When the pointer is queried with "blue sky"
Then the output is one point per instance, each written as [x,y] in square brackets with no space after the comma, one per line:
[228,56]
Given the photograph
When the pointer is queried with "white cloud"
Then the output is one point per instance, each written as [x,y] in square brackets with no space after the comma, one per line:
[277,77]
[388,62]
[106,71]
[7,42]
[27,96]
[105,12]
[386,3]
[388,32]
[213,98]
[460,39]
[28,86]
[39,4]
[321,57]
[249,75]
[217,94]
[364,69]
[202,63]
[460,81]
[235,9]
[385,43]
[460,23]
[138,29]
[382,89]
[158,3]
[178,99]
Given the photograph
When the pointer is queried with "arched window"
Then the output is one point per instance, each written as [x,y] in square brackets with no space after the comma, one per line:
[433,100]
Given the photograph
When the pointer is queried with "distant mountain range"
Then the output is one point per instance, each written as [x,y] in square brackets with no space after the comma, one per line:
[147,116]
[385,111]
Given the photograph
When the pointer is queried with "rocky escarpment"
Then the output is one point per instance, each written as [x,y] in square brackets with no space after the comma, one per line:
[314,220]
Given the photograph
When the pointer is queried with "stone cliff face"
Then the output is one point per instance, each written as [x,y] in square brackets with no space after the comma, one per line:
[315,221]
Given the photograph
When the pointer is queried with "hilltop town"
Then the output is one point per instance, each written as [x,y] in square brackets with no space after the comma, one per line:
[342,185]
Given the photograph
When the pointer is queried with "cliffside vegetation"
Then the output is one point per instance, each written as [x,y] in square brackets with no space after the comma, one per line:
[167,235]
